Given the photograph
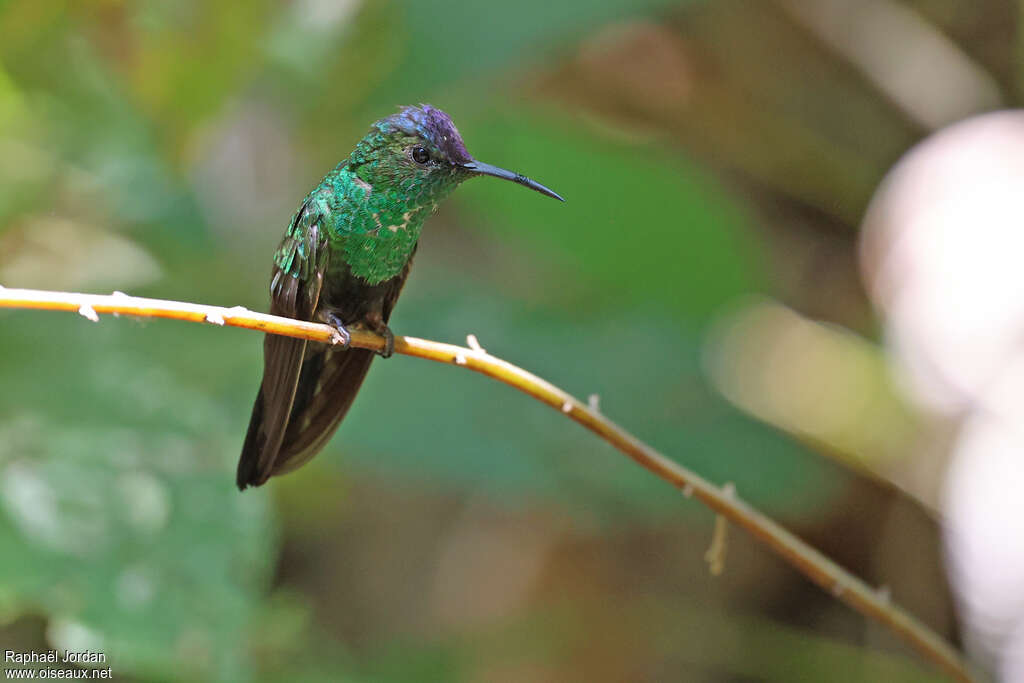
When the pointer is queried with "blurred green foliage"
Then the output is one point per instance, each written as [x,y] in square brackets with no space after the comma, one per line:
[183,134]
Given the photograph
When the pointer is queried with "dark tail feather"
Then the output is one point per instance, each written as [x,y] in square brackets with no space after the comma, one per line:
[327,387]
[248,464]
[282,365]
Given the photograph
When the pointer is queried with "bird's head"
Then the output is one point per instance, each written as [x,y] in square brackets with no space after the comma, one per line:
[419,151]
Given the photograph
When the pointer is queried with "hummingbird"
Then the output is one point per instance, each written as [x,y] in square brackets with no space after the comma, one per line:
[343,261]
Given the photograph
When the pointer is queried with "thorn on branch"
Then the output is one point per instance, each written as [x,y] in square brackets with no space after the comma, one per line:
[120,295]
[87,311]
[688,490]
[473,343]
[567,407]
[594,403]
[715,556]
[215,318]
[460,359]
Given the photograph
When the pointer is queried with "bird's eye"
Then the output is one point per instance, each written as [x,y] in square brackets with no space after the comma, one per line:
[420,155]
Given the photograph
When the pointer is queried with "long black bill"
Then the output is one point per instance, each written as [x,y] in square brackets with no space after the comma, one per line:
[487,169]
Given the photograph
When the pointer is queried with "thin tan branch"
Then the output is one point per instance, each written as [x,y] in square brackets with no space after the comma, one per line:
[815,566]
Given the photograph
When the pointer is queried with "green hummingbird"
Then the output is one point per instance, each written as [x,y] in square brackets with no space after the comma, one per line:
[343,261]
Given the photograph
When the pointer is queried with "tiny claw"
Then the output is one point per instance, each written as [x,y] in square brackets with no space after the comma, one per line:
[339,333]
[375,323]
[341,337]
[389,343]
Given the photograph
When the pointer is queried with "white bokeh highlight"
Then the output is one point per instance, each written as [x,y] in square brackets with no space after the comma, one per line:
[943,257]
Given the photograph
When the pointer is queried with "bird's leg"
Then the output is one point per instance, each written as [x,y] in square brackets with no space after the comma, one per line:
[342,337]
[375,323]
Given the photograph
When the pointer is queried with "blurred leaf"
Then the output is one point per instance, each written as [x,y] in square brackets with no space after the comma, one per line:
[11,102]
[118,518]
[647,230]
[25,169]
[451,40]
[99,141]
[186,57]
[51,253]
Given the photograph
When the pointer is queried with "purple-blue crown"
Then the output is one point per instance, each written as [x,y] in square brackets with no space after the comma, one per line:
[432,125]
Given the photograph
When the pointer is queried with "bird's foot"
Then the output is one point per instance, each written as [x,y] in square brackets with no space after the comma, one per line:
[375,323]
[341,336]
[389,341]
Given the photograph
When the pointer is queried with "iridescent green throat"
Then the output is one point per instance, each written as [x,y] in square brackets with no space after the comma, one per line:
[373,228]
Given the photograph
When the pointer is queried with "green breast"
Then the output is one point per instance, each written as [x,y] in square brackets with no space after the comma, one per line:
[373,230]
[383,243]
